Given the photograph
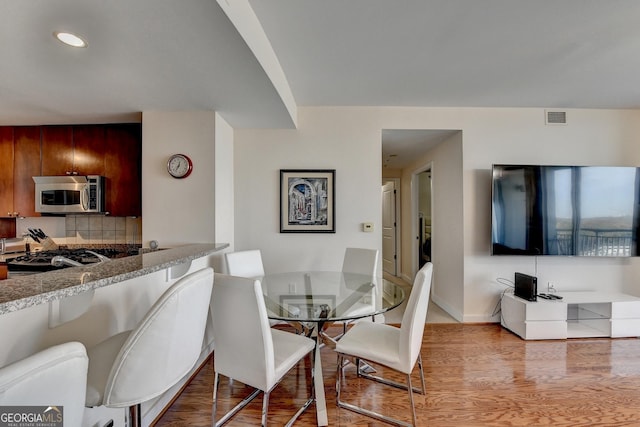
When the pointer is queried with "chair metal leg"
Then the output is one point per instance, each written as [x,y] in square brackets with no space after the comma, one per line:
[363,411]
[410,389]
[339,374]
[248,399]
[300,411]
[310,400]
[265,408]
[424,387]
[312,393]
[364,368]
[395,384]
[372,414]
[226,417]
[214,407]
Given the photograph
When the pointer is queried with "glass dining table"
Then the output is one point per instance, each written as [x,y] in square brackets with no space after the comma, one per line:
[311,301]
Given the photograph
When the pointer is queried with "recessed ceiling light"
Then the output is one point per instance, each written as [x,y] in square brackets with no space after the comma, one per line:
[70,39]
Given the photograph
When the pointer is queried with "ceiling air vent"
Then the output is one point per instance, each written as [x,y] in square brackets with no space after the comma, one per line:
[555,117]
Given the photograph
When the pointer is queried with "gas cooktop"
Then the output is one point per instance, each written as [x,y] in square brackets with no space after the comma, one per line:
[61,258]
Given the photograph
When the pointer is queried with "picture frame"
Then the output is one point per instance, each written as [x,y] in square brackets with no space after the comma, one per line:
[307,200]
[306,306]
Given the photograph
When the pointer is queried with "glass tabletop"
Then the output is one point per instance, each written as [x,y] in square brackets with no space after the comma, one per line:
[314,296]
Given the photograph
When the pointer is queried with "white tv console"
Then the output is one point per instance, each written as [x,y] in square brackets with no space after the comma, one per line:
[576,315]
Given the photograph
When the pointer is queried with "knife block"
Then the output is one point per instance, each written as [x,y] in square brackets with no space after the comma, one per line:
[48,244]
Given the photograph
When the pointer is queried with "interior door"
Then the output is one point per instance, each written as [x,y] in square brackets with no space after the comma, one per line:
[389,249]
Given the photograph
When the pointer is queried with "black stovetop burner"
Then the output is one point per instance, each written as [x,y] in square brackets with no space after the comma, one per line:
[41,261]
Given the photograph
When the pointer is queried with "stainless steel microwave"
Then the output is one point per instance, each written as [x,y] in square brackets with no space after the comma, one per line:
[69,194]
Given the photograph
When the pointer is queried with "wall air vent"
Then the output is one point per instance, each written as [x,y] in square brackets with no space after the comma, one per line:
[555,117]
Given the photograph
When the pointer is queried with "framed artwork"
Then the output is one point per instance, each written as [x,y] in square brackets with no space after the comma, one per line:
[307,200]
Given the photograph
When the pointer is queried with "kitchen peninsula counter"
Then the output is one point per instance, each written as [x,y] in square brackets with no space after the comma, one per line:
[31,290]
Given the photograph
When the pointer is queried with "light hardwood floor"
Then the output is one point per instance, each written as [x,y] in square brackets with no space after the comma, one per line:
[435,314]
[476,375]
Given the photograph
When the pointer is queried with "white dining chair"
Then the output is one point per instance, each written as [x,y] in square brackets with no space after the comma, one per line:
[245,263]
[247,348]
[135,366]
[359,261]
[389,346]
[54,376]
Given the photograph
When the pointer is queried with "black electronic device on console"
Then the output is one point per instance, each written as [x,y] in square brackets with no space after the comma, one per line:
[526,287]
[550,296]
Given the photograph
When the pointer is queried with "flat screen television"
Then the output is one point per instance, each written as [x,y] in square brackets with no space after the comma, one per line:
[565,210]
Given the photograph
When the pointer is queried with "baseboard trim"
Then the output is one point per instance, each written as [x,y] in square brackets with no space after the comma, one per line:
[456,314]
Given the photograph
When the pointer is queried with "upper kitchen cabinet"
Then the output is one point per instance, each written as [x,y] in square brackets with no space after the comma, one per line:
[73,150]
[7,222]
[111,150]
[19,161]
[123,169]
[57,150]
[88,150]
[6,171]
[26,165]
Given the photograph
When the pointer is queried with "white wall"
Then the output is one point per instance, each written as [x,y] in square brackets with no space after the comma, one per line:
[224,221]
[591,137]
[325,140]
[348,139]
[178,211]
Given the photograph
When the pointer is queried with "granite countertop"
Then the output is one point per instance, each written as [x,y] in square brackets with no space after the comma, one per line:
[26,291]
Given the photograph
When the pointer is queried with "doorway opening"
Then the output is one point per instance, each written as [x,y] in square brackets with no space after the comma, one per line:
[424,217]
[404,155]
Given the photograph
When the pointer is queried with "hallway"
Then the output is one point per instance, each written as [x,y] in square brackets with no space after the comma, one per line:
[435,314]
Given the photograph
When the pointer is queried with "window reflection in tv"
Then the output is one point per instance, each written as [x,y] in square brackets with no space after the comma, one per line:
[565,210]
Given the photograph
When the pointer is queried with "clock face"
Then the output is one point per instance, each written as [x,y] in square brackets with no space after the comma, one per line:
[179,166]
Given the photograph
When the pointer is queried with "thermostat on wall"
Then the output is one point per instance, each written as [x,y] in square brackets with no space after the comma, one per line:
[367,227]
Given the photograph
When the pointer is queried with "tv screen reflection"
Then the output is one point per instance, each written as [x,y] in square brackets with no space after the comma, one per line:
[565,210]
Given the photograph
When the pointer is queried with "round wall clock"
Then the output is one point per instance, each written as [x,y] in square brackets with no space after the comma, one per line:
[179,166]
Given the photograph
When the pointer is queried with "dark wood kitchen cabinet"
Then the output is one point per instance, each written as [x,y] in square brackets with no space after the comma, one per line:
[89,150]
[73,150]
[7,227]
[26,165]
[57,150]
[123,169]
[19,161]
[6,171]
[111,150]
[7,223]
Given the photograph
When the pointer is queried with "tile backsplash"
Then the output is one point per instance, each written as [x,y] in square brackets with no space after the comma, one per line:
[99,229]
[85,229]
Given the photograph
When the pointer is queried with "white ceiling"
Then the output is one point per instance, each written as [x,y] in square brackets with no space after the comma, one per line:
[401,147]
[461,53]
[143,55]
[186,55]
